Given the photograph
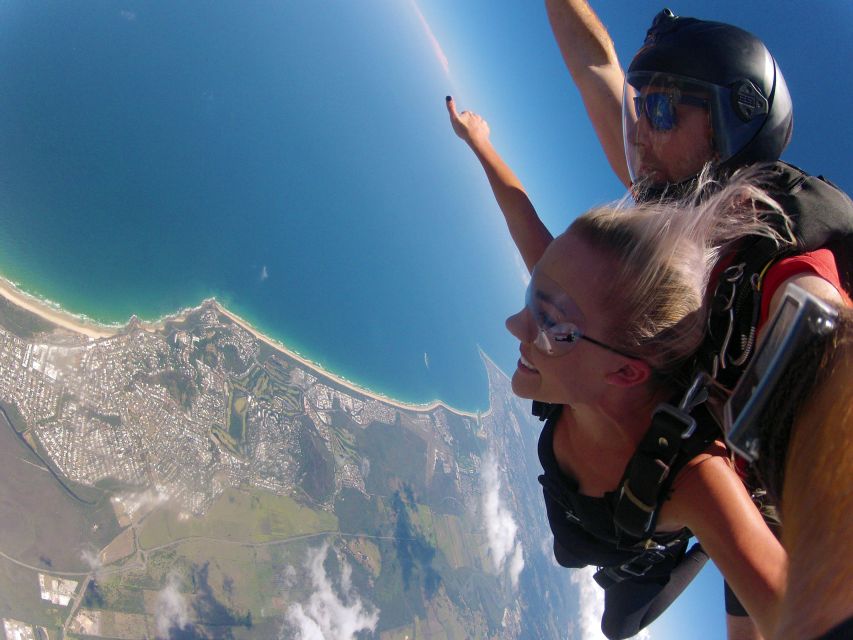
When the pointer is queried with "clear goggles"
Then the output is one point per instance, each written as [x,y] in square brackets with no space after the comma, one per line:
[556,317]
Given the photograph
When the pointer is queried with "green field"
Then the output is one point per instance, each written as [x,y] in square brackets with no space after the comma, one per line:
[242,516]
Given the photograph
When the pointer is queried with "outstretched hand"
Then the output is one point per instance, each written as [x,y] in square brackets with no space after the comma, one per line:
[469,126]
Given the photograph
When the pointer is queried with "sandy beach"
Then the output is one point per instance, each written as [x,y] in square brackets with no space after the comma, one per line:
[97,331]
[52,314]
[313,366]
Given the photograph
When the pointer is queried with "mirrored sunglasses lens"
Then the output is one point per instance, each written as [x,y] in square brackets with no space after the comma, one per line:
[660,111]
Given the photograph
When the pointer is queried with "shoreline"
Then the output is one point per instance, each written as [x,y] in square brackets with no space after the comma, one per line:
[54,314]
[352,386]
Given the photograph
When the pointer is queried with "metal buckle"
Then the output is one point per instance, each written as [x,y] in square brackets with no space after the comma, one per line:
[696,394]
[684,418]
[731,277]
[643,564]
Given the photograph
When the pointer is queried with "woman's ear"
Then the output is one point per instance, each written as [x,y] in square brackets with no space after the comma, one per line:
[631,373]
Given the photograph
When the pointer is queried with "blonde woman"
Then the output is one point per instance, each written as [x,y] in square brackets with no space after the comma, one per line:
[615,310]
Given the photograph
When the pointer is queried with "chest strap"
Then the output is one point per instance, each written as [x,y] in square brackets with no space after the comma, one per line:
[671,440]
[651,557]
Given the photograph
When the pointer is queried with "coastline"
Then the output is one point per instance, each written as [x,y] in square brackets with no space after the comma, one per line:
[313,366]
[95,331]
[54,314]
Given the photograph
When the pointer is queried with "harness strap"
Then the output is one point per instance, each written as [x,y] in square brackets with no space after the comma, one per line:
[671,441]
[647,473]
[735,312]
[641,564]
[544,410]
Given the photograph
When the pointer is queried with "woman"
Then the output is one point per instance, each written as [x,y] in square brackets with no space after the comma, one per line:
[614,311]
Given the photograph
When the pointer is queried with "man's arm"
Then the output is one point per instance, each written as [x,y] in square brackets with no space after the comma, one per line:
[527,231]
[815,271]
[591,58]
[813,284]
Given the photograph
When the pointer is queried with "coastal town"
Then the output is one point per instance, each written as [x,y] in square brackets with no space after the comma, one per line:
[169,418]
[190,409]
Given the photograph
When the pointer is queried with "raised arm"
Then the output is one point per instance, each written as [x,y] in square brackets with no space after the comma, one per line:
[591,59]
[527,231]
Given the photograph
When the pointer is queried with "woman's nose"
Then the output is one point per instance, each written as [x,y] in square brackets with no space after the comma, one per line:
[519,325]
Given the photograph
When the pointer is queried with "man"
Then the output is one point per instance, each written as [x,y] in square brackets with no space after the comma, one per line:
[701,92]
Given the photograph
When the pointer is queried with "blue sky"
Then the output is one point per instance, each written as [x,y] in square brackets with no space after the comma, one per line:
[502,61]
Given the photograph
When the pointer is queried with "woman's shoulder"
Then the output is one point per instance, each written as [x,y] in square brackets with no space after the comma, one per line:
[714,454]
[708,477]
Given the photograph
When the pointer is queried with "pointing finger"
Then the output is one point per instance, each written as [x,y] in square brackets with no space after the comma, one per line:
[451,108]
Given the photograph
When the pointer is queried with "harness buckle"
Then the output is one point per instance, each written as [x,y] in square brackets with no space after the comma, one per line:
[680,415]
[640,566]
[696,394]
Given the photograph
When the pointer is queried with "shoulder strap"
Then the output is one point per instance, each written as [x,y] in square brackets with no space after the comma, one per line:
[674,437]
[545,410]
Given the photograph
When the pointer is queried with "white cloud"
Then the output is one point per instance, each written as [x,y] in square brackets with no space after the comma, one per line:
[503,547]
[172,610]
[325,615]
[546,546]
[91,558]
[433,41]
[516,564]
[288,577]
[130,16]
[141,502]
[591,606]
[264,273]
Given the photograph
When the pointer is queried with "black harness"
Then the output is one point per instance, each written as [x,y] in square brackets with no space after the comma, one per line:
[585,532]
[821,216]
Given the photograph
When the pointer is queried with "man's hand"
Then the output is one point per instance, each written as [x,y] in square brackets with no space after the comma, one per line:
[469,126]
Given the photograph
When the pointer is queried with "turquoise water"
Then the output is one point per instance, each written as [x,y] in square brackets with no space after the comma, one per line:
[291,159]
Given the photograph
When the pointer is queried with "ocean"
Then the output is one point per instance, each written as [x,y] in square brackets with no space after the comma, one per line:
[293,160]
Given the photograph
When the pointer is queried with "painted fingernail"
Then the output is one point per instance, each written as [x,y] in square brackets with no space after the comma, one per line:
[448,98]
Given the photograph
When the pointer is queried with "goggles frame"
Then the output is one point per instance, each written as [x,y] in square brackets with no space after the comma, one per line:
[551,333]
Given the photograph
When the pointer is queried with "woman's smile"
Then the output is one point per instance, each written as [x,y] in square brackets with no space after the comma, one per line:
[525,365]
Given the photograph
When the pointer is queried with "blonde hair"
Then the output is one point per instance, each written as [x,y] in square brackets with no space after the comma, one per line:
[665,252]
